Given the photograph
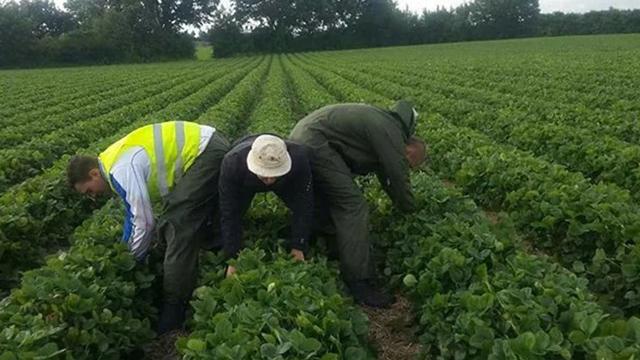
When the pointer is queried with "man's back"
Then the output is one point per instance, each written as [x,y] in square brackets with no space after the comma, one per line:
[353,130]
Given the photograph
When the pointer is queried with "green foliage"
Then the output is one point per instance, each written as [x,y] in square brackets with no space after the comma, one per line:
[37,215]
[273,111]
[90,299]
[307,25]
[476,291]
[593,224]
[596,225]
[275,309]
[479,296]
[497,19]
[204,52]
[230,114]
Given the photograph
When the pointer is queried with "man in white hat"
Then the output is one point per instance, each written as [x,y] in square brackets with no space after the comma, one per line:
[262,163]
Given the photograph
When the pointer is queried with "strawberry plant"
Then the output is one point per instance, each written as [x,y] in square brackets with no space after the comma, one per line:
[479,296]
[92,299]
[275,309]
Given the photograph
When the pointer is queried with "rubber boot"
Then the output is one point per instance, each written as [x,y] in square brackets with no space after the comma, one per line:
[366,293]
[172,318]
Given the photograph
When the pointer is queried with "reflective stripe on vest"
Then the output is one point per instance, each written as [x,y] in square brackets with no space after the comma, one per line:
[171,146]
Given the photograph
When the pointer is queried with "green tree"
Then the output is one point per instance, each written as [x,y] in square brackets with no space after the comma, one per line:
[165,14]
[16,38]
[45,18]
[504,18]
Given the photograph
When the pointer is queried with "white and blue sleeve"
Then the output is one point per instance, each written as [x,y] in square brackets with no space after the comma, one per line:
[129,179]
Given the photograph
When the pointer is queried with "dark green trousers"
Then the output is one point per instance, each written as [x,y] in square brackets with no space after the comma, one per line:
[189,220]
[348,213]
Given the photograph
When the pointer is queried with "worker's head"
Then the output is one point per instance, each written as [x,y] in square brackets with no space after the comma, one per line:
[416,151]
[84,176]
[268,158]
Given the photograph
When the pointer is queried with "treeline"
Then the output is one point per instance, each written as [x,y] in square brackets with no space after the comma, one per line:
[254,26]
[36,32]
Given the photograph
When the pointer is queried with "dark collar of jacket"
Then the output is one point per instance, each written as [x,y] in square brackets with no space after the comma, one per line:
[402,111]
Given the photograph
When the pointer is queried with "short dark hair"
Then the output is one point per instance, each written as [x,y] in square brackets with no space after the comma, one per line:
[414,140]
[79,168]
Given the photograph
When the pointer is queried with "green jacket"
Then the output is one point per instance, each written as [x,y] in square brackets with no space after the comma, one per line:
[369,140]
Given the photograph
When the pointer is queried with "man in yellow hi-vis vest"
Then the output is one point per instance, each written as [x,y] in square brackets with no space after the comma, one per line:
[178,163]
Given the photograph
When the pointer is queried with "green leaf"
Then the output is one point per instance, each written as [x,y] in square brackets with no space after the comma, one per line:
[268,351]
[49,351]
[555,336]
[8,356]
[409,280]
[196,345]
[577,337]
[614,343]
[524,344]
[283,348]
[354,353]
[542,342]
[329,356]
[588,325]
[310,345]
[634,323]
[482,338]
[578,267]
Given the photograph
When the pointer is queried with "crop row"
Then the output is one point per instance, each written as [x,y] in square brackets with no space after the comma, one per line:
[31,126]
[593,91]
[64,100]
[300,312]
[309,94]
[228,115]
[274,307]
[40,89]
[601,158]
[273,109]
[39,103]
[622,125]
[37,215]
[45,93]
[31,157]
[477,294]
[592,228]
[578,69]
[89,300]
[122,289]
[616,123]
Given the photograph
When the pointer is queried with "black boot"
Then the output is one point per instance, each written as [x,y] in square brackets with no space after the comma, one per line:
[172,318]
[365,292]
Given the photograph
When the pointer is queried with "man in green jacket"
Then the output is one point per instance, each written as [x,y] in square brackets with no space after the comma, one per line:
[358,139]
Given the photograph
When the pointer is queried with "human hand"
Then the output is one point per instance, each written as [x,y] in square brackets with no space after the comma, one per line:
[230,271]
[298,255]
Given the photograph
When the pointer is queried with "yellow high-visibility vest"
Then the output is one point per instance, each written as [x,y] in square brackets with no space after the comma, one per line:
[171,146]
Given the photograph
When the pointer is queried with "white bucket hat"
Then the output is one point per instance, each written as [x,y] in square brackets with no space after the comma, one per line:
[269,157]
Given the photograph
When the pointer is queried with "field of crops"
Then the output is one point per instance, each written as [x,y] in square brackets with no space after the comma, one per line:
[526,244]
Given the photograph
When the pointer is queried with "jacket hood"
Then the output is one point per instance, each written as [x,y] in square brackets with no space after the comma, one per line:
[404,111]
